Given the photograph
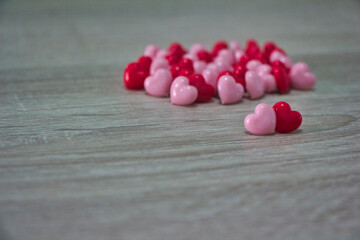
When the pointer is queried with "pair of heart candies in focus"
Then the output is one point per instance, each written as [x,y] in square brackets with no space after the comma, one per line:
[268,120]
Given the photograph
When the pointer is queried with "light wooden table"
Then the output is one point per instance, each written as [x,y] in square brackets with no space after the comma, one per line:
[82,158]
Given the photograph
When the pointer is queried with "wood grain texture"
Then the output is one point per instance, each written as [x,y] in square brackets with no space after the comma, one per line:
[82,158]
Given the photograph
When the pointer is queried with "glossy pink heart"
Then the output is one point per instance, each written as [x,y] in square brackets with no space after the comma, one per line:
[199,66]
[263,68]
[229,91]
[210,76]
[277,55]
[158,63]
[269,81]
[227,56]
[253,65]
[181,93]
[262,122]
[254,84]
[196,47]
[301,78]
[151,50]
[238,54]
[235,45]
[159,84]
[161,53]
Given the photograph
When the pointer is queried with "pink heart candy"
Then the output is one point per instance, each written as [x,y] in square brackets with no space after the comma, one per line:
[196,47]
[269,81]
[229,91]
[190,56]
[213,67]
[301,78]
[253,65]
[159,84]
[151,50]
[161,53]
[262,122]
[210,76]
[158,63]
[254,84]
[199,66]
[238,54]
[181,93]
[235,45]
[223,66]
[276,55]
[226,56]
[263,68]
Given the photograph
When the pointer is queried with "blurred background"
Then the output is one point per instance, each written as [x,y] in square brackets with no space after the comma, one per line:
[53,33]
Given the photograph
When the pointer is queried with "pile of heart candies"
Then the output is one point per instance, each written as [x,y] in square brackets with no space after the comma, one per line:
[229,72]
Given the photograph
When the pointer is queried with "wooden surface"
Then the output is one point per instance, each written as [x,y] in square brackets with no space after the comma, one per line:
[82,158]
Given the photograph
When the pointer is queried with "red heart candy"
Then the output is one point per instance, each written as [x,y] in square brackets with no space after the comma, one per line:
[176,49]
[186,72]
[204,55]
[282,78]
[251,43]
[175,70]
[269,47]
[144,63]
[172,59]
[218,46]
[239,72]
[244,60]
[186,63]
[286,120]
[134,77]
[205,91]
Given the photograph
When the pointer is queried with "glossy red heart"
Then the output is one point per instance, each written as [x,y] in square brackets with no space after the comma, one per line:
[176,49]
[282,78]
[186,72]
[134,77]
[239,72]
[286,120]
[205,91]
[144,63]
[218,46]
[186,63]
[204,55]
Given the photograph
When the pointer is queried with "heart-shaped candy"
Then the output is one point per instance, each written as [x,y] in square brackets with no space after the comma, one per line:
[161,53]
[159,84]
[158,63]
[262,122]
[269,81]
[144,63]
[253,65]
[277,55]
[229,91]
[196,48]
[282,78]
[199,66]
[205,90]
[254,84]
[210,76]
[235,45]
[181,93]
[301,78]
[286,120]
[134,77]
[151,50]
